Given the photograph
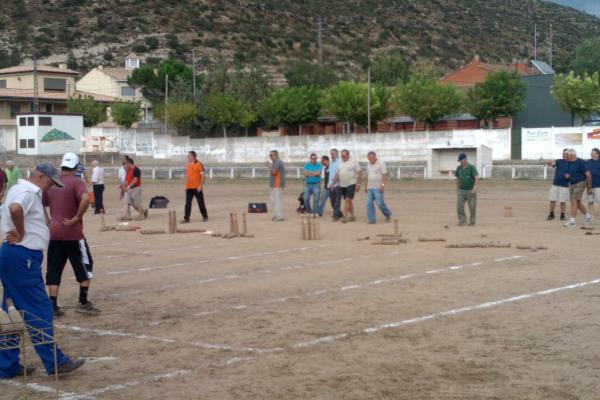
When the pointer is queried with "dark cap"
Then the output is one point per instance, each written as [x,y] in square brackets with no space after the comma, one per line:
[462,156]
[50,171]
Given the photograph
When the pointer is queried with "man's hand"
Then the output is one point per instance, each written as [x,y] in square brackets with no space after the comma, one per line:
[13,237]
[382,188]
[357,188]
[71,222]
[567,176]
[474,190]
[590,190]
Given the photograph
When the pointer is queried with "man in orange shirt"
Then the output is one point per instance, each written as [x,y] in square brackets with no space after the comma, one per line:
[194,181]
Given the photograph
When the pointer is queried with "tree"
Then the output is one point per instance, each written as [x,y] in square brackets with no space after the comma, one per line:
[250,86]
[152,81]
[290,106]
[224,110]
[424,100]
[390,70]
[180,114]
[587,58]
[304,73]
[579,95]
[501,94]
[72,61]
[125,114]
[93,112]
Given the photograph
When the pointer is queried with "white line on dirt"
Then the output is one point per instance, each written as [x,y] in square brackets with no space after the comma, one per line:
[36,387]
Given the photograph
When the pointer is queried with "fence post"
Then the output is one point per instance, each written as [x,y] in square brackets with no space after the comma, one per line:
[513,172]
[28,173]
[298,173]
[399,174]
[545,172]
[231,173]
[253,172]
[425,176]
[170,174]
[483,170]
[153,173]
[210,172]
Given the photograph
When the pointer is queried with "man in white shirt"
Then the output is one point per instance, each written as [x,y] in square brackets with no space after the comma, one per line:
[348,176]
[98,187]
[122,176]
[375,187]
[25,237]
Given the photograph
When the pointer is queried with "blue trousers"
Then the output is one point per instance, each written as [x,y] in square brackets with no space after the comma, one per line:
[312,189]
[21,277]
[375,196]
[323,200]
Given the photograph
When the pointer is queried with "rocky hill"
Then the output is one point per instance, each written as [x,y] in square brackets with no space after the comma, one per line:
[275,32]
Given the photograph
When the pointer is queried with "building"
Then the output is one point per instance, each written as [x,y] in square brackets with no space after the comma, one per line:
[49,133]
[55,85]
[112,82]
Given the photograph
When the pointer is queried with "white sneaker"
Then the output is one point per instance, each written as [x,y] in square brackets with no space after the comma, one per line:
[589,219]
[570,224]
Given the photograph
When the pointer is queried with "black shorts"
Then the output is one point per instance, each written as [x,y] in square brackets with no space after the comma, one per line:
[77,252]
[348,192]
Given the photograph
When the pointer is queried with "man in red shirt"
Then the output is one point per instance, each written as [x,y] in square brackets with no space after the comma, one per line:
[133,189]
[67,206]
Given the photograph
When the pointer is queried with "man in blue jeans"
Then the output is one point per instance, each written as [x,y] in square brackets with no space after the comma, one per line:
[312,184]
[25,237]
[376,177]
[325,190]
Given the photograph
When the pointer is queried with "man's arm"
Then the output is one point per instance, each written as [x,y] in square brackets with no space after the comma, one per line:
[588,181]
[18,220]
[383,180]
[84,203]
[476,184]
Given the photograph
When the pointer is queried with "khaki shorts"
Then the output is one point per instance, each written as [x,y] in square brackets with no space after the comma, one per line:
[134,197]
[594,197]
[577,190]
[559,194]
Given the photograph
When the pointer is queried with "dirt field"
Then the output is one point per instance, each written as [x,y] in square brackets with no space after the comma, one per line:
[190,316]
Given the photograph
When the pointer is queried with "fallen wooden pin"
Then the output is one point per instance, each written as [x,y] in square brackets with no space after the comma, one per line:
[426,240]
[388,235]
[393,242]
[127,228]
[183,230]
[587,228]
[479,246]
[592,233]
[153,231]
[532,248]
[363,238]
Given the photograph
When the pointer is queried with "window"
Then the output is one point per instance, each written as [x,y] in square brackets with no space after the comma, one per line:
[22,121]
[45,121]
[23,143]
[55,85]
[49,107]
[2,83]
[127,91]
[14,110]
[31,143]
[30,121]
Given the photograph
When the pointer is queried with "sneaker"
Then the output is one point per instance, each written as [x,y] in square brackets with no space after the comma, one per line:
[70,366]
[462,223]
[87,308]
[589,219]
[22,372]
[352,219]
[184,221]
[570,224]
[388,219]
[204,219]
[550,217]
[562,217]
[145,213]
[58,312]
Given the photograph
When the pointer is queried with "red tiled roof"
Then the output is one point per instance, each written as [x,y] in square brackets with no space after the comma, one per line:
[27,94]
[41,68]
[476,72]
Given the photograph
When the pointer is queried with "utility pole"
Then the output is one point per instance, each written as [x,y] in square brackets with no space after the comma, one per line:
[320,39]
[369,100]
[550,49]
[194,73]
[36,101]
[535,42]
[166,102]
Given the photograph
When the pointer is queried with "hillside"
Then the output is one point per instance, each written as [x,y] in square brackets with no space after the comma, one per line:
[276,32]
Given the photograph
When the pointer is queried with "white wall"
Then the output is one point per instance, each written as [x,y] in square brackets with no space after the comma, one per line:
[548,143]
[70,124]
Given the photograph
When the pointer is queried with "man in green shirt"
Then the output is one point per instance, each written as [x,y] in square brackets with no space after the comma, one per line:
[12,174]
[467,180]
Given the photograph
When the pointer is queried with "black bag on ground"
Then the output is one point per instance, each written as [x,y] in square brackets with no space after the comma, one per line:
[257,208]
[159,202]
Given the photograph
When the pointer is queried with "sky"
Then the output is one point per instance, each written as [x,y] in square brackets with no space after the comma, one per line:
[590,6]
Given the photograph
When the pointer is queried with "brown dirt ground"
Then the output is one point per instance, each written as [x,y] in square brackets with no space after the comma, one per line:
[221,317]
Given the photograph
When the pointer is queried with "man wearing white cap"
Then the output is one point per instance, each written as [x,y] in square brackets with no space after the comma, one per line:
[67,242]
[25,237]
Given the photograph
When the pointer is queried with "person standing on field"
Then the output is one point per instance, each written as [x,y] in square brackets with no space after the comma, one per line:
[579,179]
[67,207]
[277,184]
[333,185]
[194,182]
[98,187]
[559,192]
[324,195]
[467,180]
[12,174]
[376,176]
[594,168]
[349,176]
[312,184]
[25,237]
[133,189]
[122,177]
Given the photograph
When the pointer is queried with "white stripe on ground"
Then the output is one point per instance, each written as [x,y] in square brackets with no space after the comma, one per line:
[280,300]
[36,387]
[122,386]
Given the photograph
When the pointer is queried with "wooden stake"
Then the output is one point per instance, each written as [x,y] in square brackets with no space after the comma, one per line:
[479,246]
[244,225]
[102,223]
[236,226]
[152,231]
[425,240]
[396,229]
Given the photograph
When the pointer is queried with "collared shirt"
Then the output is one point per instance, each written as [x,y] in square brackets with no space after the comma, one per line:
[12,176]
[577,170]
[310,167]
[561,167]
[193,176]
[348,172]
[594,168]
[98,176]
[466,176]
[333,167]
[375,173]
[277,174]
[29,196]
[64,204]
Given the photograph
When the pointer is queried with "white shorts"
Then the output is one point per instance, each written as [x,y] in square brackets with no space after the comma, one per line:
[559,194]
[594,197]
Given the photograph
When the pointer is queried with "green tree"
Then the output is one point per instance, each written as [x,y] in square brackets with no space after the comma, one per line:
[93,112]
[424,100]
[224,110]
[152,81]
[182,115]
[72,61]
[291,106]
[587,58]
[501,94]
[389,70]
[304,73]
[250,86]
[125,114]
[579,95]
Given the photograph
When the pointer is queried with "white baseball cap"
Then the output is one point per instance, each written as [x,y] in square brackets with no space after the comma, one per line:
[70,160]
